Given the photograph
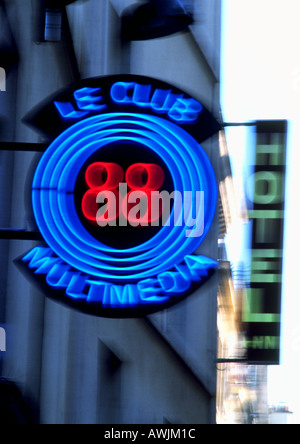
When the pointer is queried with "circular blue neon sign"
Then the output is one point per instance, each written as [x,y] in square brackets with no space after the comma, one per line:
[74,265]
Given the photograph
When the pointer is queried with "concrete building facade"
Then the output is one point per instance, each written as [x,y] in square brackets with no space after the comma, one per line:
[76,368]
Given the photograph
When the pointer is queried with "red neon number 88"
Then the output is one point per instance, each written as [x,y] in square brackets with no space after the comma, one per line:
[104,178]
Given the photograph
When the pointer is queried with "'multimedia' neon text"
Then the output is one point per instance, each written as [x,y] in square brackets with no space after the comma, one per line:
[159,289]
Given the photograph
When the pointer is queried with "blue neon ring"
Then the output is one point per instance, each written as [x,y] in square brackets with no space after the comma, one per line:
[54,183]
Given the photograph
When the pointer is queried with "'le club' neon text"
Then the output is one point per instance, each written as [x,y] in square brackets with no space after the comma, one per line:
[89,100]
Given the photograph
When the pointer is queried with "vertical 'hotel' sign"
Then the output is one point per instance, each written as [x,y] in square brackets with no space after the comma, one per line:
[266,194]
